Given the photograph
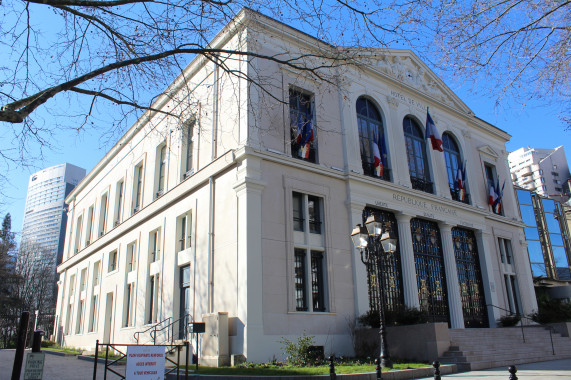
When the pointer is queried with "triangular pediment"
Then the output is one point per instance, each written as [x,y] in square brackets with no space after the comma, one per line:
[488,151]
[405,67]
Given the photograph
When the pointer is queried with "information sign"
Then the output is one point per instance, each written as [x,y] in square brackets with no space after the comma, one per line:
[145,363]
[34,366]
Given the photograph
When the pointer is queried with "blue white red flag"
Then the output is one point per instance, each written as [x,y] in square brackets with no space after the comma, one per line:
[432,133]
[492,194]
[498,203]
[306,137]
[461,181]
[379,154]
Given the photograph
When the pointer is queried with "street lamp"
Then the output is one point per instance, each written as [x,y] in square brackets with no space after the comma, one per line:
[374,241]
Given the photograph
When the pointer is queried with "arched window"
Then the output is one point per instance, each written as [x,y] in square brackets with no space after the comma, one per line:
[372,140]
[416,155]
[456,180]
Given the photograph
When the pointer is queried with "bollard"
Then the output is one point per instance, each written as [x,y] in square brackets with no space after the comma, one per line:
[20,345]
[436,365]
[378,363]
[512,370]
[332,374]
[37,341]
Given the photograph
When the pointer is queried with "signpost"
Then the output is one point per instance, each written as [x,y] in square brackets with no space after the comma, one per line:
[145,363]
[196,328]
[34,366]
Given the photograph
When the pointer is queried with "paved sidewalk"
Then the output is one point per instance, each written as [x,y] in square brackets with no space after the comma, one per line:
[552,370]
[55,367]
[70,368]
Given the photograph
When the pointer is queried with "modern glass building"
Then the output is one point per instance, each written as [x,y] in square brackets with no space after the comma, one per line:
[547,235]
[45,218]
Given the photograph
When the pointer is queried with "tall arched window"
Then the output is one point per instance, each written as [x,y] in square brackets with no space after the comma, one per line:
[456,180]
[372,140]
[416,155]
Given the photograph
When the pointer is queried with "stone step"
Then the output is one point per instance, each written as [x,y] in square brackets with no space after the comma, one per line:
[473,349]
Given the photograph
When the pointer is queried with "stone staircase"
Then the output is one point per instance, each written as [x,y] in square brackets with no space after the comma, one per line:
[474,349]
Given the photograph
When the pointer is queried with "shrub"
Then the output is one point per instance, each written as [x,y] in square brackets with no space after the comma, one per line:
[401,316]
[509,320]
[48,343]
[552,311]
[299,353]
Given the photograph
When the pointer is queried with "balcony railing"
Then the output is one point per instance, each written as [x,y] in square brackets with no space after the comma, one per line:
[369,170]
[421,184]
[455,193]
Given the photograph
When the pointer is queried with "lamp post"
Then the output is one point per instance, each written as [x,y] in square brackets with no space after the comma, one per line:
[374,241]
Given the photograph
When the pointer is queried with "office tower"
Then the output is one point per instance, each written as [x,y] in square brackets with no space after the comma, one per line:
[45,217]
[544,171]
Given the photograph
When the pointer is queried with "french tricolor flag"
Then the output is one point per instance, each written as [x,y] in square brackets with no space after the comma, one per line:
[432,133]
[493,196]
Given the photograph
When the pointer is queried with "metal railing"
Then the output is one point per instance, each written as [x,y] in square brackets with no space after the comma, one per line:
[150,329]
[118,355]
[526,318]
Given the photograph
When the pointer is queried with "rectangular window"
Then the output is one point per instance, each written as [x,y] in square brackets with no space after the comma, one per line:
[505,250]
[92,314]
[131,255]
[298,214]
[70,299]
[129,307]
[314,213]
[152,299]
[138,188]
[103,215]
[79,319]
[160,170]
[83,280]
[187,146]
[183,234]
[300,287]
[302,126]
[309,265]
[96,273]
[118,202]
[317,290]
[78,226]
[112,264]
[311,206]
[89,226]
[154,244]
[512,293]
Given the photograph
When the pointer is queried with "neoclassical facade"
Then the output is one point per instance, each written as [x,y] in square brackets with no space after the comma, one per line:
[245,207]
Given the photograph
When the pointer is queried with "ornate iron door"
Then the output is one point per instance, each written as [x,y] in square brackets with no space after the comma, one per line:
[429,263]
[470,278]
[392,275]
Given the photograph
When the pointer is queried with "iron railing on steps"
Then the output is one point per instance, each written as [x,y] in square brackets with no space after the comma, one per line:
[531,323]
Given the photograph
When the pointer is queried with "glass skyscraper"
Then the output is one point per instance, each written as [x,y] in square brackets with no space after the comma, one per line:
[45,218]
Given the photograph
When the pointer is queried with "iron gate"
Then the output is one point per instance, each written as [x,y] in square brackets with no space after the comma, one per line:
[392,286]
[430,275]
[470,278]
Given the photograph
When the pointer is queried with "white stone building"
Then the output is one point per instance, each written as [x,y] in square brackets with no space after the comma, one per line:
[544,171]
[220,214]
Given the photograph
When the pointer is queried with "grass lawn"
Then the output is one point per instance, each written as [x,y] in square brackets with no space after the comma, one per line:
[64,350]
[269,369]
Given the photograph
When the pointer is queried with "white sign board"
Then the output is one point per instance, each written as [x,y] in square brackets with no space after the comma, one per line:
[145,363]
[34,366]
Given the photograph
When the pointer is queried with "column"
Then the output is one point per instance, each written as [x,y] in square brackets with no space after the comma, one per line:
[249,190]
[485,240]
[454,299]
[410,287]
